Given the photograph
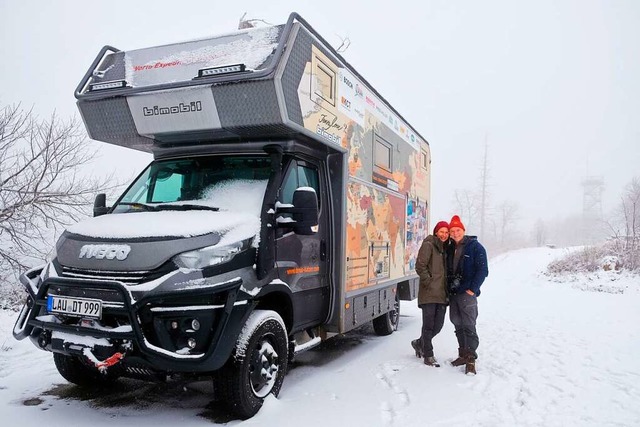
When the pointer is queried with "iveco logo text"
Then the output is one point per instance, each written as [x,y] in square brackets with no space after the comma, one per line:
[118,252]
[156,110]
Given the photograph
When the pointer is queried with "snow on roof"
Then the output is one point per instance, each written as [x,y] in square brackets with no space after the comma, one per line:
[251,51]
[181,61]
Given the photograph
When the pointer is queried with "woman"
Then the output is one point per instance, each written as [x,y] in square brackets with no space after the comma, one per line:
[432,293]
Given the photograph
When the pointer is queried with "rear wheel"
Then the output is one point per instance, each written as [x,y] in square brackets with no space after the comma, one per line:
[258,365]
[388,322]
[74,370]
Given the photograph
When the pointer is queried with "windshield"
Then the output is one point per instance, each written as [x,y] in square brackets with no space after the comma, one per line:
[212,183]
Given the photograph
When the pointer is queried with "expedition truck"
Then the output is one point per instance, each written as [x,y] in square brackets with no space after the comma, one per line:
[285,204]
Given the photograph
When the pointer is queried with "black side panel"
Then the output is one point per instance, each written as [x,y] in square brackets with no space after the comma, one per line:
[408,291]
[250,109]
[367,306]
[336,163]
[110,120]
[300,55]
[309,306]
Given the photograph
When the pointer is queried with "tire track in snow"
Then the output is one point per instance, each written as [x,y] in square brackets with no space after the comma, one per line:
[391,408]
[4,350]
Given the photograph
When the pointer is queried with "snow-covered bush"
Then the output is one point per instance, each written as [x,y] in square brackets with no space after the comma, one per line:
[587,259]
[603,268]
[609,256]
[12,296]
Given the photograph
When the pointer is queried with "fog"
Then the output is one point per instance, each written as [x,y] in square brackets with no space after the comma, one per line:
[551,86]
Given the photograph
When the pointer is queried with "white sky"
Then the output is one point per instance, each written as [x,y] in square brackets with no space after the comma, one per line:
[552,84]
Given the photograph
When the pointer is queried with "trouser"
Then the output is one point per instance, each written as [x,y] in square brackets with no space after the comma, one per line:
[463,313]
[432,322]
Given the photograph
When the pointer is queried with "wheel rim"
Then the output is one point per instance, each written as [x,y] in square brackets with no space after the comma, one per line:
[394,315]
[264,369]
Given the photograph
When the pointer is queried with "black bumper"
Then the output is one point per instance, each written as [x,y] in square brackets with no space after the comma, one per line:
[151,340]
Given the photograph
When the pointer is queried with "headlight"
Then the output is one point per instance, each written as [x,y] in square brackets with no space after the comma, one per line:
[211,255]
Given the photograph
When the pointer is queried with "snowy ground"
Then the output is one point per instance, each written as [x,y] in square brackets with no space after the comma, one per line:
[551,354]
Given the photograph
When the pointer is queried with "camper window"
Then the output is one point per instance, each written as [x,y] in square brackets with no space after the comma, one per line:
[424,159]
[382,154]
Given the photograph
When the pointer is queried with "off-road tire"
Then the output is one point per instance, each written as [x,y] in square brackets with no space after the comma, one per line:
[388,322]
[77,372]
[261,348]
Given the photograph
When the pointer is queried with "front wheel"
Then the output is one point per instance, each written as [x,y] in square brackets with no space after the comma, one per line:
[258,365]
[388,322]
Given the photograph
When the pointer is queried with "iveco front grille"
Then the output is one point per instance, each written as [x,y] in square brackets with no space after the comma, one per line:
[126,277]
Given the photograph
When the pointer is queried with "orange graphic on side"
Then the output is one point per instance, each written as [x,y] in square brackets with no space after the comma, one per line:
[300,270]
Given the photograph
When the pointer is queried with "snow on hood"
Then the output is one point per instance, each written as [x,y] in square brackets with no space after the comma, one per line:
[167,223]
[238,219]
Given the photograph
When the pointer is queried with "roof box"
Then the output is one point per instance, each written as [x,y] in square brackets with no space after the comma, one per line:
[269,82]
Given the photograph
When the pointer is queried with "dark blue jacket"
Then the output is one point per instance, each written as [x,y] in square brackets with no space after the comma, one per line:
[472,268]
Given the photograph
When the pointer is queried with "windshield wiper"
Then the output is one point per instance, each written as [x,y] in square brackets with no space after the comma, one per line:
[171,207]
[185,207]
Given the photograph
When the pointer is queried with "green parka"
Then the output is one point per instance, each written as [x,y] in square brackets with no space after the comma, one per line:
[430,266]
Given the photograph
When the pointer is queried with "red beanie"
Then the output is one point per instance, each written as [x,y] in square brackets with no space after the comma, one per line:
[439,225]
[455,222]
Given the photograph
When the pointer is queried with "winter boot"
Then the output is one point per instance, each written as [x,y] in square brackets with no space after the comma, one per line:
[470,364]
[462,358]
[431,361]
[417,347]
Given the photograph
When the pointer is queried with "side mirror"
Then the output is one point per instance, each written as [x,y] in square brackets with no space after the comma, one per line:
[100,205]
[304,212]
[305,202]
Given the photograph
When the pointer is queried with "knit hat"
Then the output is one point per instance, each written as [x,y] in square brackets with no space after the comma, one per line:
[455,222]
[439,225]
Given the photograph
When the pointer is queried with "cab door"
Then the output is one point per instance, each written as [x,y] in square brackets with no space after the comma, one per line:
[301,260]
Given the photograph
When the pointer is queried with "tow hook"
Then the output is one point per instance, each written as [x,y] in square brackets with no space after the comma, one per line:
[103,365]
[44,339]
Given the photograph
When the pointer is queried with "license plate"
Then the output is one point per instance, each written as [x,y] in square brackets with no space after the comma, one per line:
[83,307]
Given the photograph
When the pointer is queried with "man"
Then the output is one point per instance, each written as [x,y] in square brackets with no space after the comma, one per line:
[432,293]
[466,270]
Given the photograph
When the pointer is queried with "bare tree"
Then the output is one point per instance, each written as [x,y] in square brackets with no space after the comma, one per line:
[630,209]
[508,215]
[41,188]
[484,177]
[624,227]
[539,232]
[466,205]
